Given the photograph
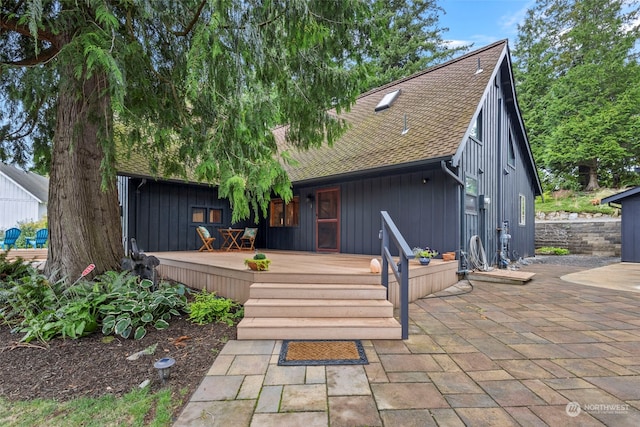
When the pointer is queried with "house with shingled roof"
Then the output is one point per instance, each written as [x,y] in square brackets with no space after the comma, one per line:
[444,152]
[23,196]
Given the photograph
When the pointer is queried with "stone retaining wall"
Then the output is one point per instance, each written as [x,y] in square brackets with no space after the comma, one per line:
[588,237]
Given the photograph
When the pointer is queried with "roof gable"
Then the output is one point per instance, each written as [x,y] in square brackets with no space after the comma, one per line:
[617,198]
[428,120]
[34,184]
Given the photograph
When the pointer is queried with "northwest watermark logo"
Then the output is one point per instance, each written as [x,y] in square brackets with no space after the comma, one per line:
[574,409]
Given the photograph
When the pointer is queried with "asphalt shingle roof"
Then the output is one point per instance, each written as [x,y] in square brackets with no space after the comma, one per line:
[439,104]
[36,185]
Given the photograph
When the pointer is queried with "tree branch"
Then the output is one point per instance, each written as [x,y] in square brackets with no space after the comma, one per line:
[41,58]
[195,18]
[12,24]
[193,21]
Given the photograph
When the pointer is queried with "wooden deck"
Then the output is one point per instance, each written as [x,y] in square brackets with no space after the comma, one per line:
[28,254]
[306,295]
[303,295]
[226,274]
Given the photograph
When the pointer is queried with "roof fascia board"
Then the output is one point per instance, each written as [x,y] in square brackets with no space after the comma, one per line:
[504,57]
[433,162]
[465,138]
[33,196]
[616,198]
[532,161]
[163,179]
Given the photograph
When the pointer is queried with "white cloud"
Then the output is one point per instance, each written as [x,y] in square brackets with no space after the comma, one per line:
[457,43]
[509,22]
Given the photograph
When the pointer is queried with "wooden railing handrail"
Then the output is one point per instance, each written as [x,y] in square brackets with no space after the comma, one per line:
[400,270]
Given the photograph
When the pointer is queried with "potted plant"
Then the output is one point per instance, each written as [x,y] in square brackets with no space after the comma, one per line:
[424,255]
[259,262]
[448,256]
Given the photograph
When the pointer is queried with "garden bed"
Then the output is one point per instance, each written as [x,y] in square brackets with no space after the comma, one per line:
[92,366]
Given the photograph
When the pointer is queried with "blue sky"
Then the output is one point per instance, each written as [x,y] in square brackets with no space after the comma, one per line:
[482,22]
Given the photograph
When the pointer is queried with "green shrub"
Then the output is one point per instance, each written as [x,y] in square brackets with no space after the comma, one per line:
[116,301]
[43,310]
[24,298]
[28,229]
[133,307]
[13,270]
[259,255]
[549,250]
[208,308]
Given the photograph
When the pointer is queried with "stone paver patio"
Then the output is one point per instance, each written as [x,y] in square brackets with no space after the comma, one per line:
[547,353]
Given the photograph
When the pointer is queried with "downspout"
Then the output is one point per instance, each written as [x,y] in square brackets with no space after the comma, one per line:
[137,209]
[450,173]
[460,182]
[500,207]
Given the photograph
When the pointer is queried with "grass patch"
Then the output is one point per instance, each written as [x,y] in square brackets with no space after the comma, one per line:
[572,201]
[550,250]
[137,408]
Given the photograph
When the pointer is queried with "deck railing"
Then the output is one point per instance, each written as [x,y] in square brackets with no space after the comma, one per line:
[389,232]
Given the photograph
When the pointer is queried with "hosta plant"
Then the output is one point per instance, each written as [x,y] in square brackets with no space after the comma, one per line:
[133,307]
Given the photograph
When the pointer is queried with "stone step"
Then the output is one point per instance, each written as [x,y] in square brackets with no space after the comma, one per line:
[292,307]
[251,328]
[607,252]
[317,291]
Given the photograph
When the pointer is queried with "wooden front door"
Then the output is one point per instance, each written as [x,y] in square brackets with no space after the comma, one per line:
[328,220]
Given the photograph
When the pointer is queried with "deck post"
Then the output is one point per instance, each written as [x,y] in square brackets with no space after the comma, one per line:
[400,270]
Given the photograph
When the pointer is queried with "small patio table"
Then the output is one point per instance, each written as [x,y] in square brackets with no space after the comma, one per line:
[230,238]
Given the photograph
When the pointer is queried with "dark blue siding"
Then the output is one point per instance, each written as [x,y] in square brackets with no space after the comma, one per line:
[159,214]
[424,213]
[631,229]
[500,180]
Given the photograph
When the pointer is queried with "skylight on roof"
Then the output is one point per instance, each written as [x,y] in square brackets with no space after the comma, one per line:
[387,100]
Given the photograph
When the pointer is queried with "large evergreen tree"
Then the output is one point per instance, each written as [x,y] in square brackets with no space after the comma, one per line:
[193,85]
[579,88]
[406,38]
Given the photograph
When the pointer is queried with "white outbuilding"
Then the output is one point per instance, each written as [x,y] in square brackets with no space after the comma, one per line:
[23,196]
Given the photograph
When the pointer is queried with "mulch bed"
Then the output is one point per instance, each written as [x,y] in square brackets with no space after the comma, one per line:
[93,367]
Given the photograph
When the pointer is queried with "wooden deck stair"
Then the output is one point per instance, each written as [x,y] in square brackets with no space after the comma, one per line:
[318,311]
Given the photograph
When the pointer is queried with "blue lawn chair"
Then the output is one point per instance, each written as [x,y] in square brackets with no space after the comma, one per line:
[39,240]
[10,237]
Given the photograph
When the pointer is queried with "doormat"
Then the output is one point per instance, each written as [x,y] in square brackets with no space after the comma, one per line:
[321,352]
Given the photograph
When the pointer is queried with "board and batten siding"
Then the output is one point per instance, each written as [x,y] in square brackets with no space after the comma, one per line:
[123,200]
[631,229]
[17,205]
[159,214]
[423,205]
[500,182]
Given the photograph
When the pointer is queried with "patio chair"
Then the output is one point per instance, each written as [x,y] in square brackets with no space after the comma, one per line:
[39,240]
[10,237]
[248,239]
[207,240]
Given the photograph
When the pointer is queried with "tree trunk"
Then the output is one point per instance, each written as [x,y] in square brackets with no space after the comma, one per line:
[84,217]
[593,176]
